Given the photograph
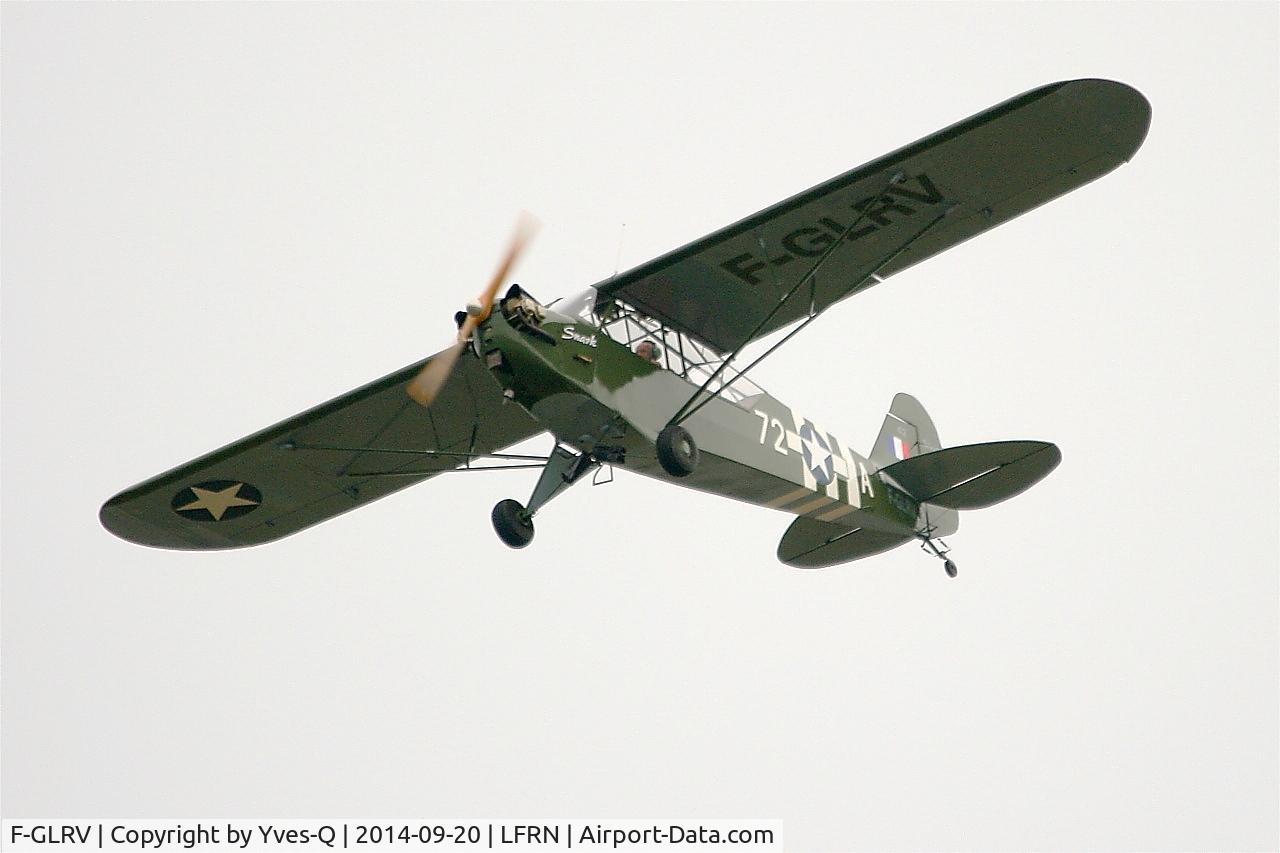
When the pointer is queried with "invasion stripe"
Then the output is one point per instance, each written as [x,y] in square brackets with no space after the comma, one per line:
[833,447]
[820,501]
[779,502]
[838,512]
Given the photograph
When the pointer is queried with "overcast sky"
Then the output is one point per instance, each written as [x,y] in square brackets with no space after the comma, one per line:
[215,216]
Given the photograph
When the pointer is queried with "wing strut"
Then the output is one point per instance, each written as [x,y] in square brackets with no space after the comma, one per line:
[518,460]
[369,474]
[689,408]
[293,445]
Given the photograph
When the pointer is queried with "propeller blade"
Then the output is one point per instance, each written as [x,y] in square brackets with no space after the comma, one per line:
[427,384]
[526,227]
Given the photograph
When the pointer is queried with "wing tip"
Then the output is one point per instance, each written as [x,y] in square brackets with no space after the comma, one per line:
[119,523]
[1122,110]
[116,519]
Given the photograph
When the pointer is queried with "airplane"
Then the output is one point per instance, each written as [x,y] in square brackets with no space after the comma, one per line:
[641,372]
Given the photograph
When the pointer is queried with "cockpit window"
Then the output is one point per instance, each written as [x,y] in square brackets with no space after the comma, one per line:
[670,349]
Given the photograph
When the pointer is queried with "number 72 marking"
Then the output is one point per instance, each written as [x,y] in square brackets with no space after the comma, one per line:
[765,422]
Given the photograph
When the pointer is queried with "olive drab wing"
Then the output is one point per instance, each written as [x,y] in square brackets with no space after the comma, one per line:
[976,174]
[349,451]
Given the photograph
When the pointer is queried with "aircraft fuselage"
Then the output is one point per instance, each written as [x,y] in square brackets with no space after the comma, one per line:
[597,396]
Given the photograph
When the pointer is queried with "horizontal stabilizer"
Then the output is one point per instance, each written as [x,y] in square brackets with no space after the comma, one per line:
[975,475]
[812,544]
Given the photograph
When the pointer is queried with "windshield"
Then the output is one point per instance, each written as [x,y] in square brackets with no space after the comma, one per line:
[579,306]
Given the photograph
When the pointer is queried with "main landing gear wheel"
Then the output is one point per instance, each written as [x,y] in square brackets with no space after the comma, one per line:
[512,524]
[677,452]
[950,568]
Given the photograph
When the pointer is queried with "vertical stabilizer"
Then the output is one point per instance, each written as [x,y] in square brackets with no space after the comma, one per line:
[907,431]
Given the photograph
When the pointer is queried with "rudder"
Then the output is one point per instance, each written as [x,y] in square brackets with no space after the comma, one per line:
[908,432]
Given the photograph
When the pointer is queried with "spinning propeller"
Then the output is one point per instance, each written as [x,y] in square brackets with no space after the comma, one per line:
[427,384]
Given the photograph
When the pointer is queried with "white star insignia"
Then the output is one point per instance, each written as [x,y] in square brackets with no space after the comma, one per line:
[217,503]
[818,457]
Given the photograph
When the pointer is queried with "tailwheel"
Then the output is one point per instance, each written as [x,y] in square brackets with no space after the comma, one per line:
[512,523]
[940,550]
[677,451]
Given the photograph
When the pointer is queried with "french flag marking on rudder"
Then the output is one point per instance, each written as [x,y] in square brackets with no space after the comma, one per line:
[900,448]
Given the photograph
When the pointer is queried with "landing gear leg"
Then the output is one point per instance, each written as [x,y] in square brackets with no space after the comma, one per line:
[931,546]
[513,522]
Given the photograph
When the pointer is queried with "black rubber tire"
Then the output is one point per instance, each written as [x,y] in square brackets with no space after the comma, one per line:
[950,568]
[511,523]
[677,451]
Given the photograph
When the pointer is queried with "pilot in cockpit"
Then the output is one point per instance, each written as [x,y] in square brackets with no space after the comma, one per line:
[649,351]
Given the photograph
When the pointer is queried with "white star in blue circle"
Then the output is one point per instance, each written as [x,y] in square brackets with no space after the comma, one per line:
[817,454]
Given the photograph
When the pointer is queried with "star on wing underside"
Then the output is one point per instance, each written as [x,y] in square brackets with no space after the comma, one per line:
[216,503]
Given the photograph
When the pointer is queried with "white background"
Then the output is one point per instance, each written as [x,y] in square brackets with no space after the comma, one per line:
[216,216]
